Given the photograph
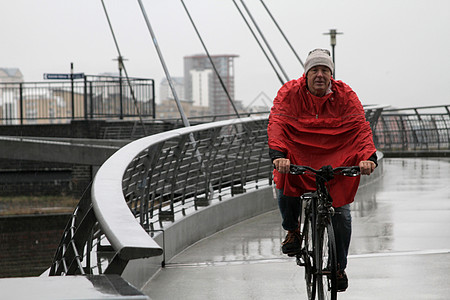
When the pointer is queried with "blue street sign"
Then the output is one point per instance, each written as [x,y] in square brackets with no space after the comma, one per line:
[64,76]
[78,75]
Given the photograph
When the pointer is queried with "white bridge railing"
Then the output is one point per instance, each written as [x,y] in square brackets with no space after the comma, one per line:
[155,180]
[423,131]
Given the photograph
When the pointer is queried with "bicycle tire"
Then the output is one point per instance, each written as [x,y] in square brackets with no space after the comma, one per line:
[326,263]
[308,252]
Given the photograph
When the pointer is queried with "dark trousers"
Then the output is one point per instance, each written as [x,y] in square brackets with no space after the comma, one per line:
[291,207]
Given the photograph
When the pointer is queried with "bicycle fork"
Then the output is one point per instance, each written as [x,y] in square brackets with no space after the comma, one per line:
[307,216]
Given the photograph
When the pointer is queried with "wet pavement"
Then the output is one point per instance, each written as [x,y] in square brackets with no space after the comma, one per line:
[400,247]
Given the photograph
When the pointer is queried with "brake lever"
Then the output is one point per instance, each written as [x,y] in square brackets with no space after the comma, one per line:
[351,172]
[296,170]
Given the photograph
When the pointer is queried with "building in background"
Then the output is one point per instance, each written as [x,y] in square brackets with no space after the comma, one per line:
[203,87]
[165,92]
[167,108]
[9,95]
[10,75]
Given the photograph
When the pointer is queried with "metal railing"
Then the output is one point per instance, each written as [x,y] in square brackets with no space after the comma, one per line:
[62,101]
[158,179]
[414,129]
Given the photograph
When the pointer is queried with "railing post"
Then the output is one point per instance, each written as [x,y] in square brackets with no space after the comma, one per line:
[21,102]
[72,96]
[120,95]
[153,100]
[91,102]
[85,99]
[417,113]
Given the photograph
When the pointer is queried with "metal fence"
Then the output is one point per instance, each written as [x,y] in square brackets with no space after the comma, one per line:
[414,129]
[170,175]
[61,101]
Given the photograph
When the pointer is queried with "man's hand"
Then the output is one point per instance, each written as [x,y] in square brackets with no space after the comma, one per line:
[282,165]
[367,167]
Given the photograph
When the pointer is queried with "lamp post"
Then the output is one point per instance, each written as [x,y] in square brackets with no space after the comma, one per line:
[332,34]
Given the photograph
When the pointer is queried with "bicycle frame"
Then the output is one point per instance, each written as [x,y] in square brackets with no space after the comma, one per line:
[318,254]
[318,213]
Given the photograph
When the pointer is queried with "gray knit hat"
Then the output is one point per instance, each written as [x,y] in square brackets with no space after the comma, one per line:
[319,57]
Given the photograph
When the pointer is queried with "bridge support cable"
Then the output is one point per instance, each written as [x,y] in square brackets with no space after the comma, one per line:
[163,63]
[210,59]
[282,33]
[185,120]
[264,40]
[124,68]
[259,43]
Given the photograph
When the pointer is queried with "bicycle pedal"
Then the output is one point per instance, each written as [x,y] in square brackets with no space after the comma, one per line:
[300,262]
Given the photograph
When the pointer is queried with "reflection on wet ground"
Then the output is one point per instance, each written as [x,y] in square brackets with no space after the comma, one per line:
[400,229]
[407,209]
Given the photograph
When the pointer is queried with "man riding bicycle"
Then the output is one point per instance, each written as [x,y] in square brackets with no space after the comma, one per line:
[316,121]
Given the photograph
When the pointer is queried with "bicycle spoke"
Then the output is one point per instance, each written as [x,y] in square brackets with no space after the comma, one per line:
[326,262]
[307,254]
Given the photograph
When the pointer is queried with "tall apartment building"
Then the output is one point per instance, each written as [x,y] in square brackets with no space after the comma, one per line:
[167,107]
[165,92]
[203,87]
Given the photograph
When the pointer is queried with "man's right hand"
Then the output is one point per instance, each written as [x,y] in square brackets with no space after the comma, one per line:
[282,165]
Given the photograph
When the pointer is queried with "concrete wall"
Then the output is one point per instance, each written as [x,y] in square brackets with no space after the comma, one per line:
[29,178]
[34,178]
[75,129]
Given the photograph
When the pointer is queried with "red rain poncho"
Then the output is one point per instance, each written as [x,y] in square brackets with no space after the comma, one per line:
[317,131]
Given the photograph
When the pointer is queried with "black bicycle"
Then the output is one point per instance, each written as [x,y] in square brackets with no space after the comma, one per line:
[318,254]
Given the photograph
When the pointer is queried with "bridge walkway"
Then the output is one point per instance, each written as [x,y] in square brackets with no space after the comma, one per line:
[400,247]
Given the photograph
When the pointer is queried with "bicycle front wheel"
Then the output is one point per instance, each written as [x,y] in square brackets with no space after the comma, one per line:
[307,254]
[326,263]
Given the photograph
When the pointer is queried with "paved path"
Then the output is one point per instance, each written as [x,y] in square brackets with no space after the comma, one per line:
[400,247]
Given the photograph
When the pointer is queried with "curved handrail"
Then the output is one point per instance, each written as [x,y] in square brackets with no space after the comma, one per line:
[423,131]
[127,237]
[149,181]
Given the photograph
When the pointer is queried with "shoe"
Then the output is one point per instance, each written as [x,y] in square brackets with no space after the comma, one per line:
[342,281]
[291,244]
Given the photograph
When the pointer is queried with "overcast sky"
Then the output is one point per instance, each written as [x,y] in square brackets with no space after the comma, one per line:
[392,51]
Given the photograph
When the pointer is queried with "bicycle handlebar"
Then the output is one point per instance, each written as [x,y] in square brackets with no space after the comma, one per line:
[326,171]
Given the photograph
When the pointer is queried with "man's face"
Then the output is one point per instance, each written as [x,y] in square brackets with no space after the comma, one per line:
[318,80]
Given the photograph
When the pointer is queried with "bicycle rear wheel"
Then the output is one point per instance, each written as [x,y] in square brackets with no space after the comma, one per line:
[326,263]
